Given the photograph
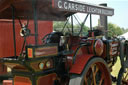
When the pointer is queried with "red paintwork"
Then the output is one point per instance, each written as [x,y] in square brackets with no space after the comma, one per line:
[82,55]
[43,80]
[73,41]
[46,80]
[80,63]
[52,3]
[91,47]
[6,36]
[19,80]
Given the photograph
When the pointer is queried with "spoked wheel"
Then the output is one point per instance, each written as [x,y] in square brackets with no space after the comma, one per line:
[95,73]
[123,77]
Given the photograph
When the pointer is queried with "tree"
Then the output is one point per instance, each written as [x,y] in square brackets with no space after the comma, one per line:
[114,30]
[58,26]
[124,30]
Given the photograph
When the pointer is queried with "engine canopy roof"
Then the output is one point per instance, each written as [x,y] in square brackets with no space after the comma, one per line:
[49,9]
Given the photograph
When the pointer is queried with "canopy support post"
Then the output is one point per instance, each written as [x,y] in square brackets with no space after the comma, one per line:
[72,24]
[14,34]
[104,22]
[83,23]
[91,22]
[34,5]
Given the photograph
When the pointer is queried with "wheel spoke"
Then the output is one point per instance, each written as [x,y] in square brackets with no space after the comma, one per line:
[85,81]
[126,76]
[101,80]
[93,73]
[97,69]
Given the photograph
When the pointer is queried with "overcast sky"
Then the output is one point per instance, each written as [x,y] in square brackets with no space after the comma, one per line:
[120,17]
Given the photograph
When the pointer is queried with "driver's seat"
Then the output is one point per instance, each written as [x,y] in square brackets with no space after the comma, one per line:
[54,37]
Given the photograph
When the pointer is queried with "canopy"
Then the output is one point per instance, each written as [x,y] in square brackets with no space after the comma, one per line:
[49,9]
[125,35]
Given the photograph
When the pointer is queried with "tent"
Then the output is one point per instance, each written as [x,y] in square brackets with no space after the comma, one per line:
[125,35]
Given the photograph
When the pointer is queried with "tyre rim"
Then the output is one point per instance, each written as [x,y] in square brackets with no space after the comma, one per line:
[97,74]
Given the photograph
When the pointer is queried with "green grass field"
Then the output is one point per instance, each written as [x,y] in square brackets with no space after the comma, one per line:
[116,69]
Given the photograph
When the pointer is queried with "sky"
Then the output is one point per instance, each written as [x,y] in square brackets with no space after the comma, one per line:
[120,16]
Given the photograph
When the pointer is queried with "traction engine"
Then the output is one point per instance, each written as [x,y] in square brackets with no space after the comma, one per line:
[60,58]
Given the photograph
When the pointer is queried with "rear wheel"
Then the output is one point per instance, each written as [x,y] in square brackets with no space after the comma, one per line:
[123,77]
[95,73]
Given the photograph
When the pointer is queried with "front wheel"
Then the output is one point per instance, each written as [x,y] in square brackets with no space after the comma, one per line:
[95,73]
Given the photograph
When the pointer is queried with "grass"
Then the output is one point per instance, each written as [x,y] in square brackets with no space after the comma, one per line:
[116,69]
